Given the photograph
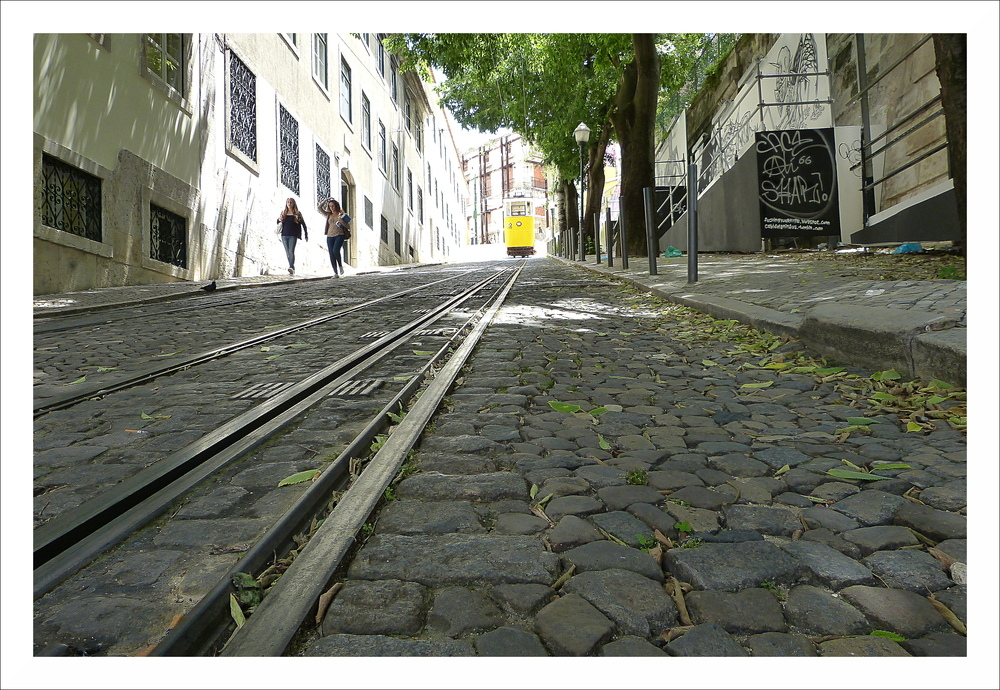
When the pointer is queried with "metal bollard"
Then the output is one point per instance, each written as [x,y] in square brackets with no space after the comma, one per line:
[611,245]
[692,192]
[647,202]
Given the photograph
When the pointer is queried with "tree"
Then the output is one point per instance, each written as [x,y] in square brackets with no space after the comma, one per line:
[950,59]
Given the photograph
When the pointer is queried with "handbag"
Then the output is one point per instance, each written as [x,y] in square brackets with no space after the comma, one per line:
[347,233]
[277,230]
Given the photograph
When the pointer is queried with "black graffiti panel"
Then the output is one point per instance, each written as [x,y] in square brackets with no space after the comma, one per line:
[797,183]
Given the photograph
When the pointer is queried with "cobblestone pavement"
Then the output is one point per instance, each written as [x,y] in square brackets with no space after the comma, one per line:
[601,484]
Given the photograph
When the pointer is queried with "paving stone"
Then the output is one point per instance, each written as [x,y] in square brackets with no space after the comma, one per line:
[517,523]
[560,507]
[522,600]
[792,499]
[455,559]
[936,524]
[816,611]
[654,517]
[572,531]
[664,480]
[803,481]
[623,526]
[637,605]
[456,463]
[738,465]
[509,641]
[777,457]
[834,491]
[776,522]
[896,610]
[215,504]
[431,486]
[605,555]
[728,536]
[564,486]
[746,612]
[220,533]
[949,497]
[707,639]
[731,567]
[701,497]
[429,517]
[884,537]
[861,646]
[600,476]
[870,508]
[713,477]
[937,644]
[819,517]
[379,645]
[780,644]
[631,646]
[916,571]
[105,624]
[621,497]
[833,540]
[829,566]
[65,457]
[956,548]
[381,607]
[570,626]
[699,519]
[458,611]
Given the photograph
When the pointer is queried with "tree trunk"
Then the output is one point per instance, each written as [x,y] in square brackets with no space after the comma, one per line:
[950,59]
[571,217]
[595,182]
[634,118]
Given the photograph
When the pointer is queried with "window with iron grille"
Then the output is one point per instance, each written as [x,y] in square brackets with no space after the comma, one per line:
[242,108]
[289,136]
[393,76]
[72,201]
[384,230]
[167,236]
[397,241]
[381,146]
[165,58]
[345,90]
[322,174]
[369,213]
[366,121]
[319,59]
[420,204]
[395,168]
[409,190]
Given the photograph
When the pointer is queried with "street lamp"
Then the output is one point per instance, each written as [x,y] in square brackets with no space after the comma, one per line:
[582,135]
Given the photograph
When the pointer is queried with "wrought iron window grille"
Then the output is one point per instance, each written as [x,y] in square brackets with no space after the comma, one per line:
[322,174]
[289,135]
[242,108]
[167,236]
[72,199]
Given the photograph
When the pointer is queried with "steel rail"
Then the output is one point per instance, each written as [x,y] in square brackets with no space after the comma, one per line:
[268,631]
[143,376]
[70,541]
[201,630]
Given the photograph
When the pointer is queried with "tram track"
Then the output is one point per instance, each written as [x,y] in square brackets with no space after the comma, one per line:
[66,544]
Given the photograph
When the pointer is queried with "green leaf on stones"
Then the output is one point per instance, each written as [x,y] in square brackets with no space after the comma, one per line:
[145,416]
[683,527]
[298,478]
[883,396]
[914,426]
[784,468]
[236,612]
[709,363]
[168,354]
[851,474]
[862,421]
[889,375]
[830,370]
[99,369]
[890,466]
[422,353]
[889,635]
[564,407]
[933,400]
[79,380]
[939,385]
[534,491]
[598,411]
[757,385]
[268,359]
[265,348]
[603,443]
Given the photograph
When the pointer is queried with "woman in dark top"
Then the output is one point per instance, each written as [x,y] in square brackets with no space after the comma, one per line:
[293,225]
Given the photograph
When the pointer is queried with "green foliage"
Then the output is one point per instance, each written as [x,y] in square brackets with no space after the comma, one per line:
[637,477]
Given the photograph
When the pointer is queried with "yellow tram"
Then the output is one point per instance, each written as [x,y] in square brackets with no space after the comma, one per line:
[519,227]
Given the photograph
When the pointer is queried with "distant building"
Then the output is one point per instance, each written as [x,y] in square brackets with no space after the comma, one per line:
[166,157]
[504,168]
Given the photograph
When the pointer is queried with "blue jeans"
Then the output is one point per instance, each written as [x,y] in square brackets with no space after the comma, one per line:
[289,242]
[334,245]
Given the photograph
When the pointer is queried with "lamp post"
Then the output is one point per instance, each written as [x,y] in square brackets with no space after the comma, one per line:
[582,135]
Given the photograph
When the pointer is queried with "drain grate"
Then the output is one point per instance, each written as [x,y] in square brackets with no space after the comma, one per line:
[360,387]
[261,390]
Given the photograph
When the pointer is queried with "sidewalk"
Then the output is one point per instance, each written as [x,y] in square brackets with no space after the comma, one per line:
[917,327]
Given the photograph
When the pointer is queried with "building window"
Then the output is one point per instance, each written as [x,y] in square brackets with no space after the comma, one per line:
[409,190]
[165,58]
[345,90]
[407,110]
[319,59]
[369,213]
[420,205]
[381,56]
[322,174]
[292,38]
[395,168]
[289,137]
[397,241]
[508,177]
[384,230]
[72,201]
[366,121]
[167,236]
[242,108]
[382,155]
[418,136]
[393,75]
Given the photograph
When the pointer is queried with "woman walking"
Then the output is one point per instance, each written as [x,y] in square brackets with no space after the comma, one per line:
[337,226]
[293,225]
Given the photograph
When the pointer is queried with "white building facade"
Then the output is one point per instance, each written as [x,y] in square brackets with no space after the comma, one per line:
[166,157]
